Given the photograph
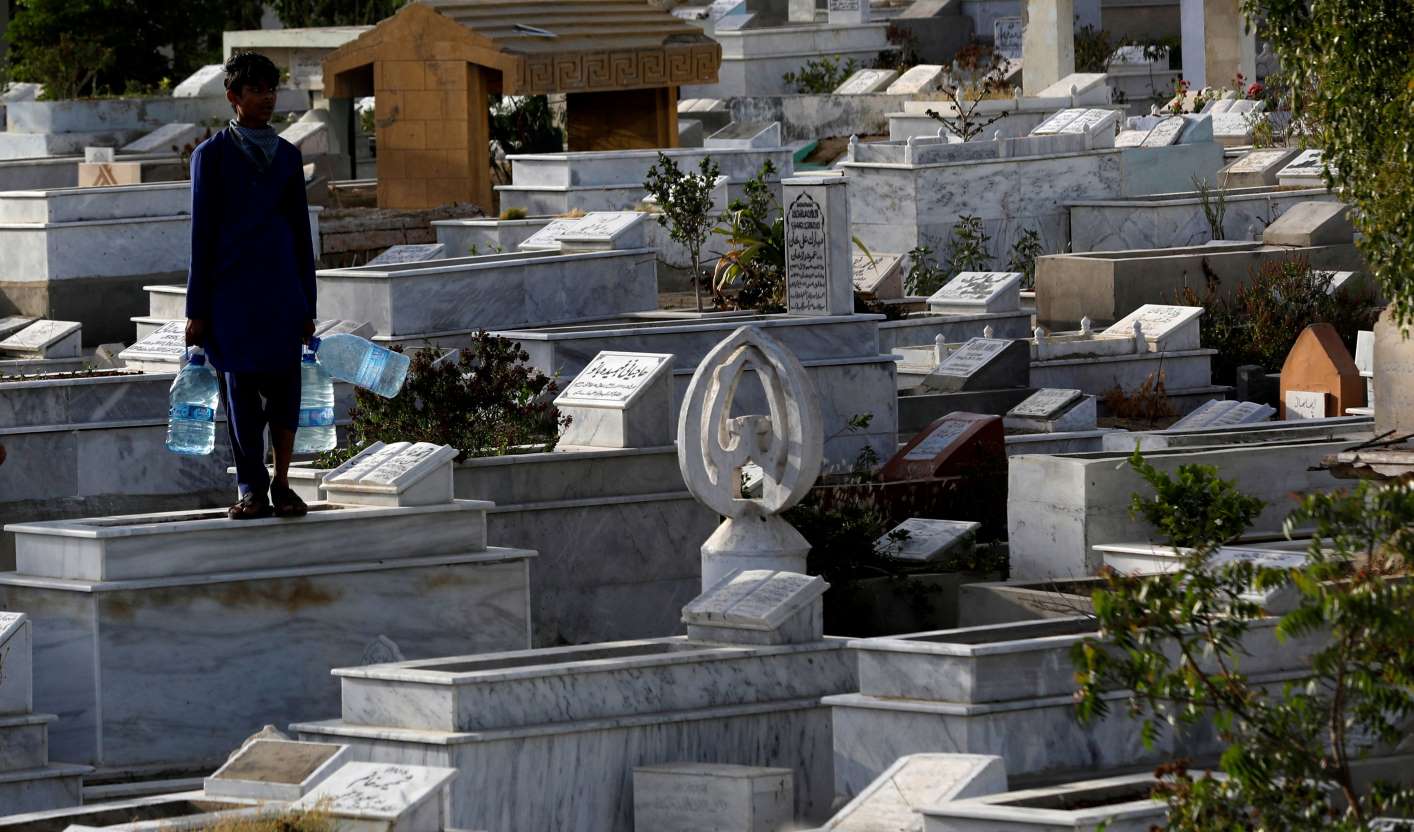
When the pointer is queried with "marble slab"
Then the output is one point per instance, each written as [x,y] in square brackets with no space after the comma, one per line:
[1308,166]
[1165,133]
[1046,403]
[867,81]
[165,545]
[17,661]
[99,155]
[276,770]
[1166,328]
[921,78]
[11,324]
[1303,404]
[880,277]
[169,138]
[620,400]
[1224,413]
[549,236]
[401,474]
[701,797]
[951,444]
[746,134]
[409,254]
[45,339]
[1231,124]
[162,351]
[982,364]
[757,599]
[970,293]
[819,264]
[1007,36]
[1057,122]
[923,540]
[382,792]
[604,231]
[1131,138]
[892,802]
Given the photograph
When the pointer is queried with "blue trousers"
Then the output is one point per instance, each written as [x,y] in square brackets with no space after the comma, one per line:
[254,401]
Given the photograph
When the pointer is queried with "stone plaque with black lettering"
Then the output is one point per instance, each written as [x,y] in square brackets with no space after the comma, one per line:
[620,400]
[819,269]
[983,364]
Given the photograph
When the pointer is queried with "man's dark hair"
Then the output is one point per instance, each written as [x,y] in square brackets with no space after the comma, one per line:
[248,68]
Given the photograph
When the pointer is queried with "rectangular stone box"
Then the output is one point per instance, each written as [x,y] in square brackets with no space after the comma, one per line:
[171,544]
[1116,804]
[707,796]
[275,770]
[464,294]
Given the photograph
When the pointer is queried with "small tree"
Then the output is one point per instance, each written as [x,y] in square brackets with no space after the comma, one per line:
[755,261]
[967,246]
[1176,642]
[976,73]
[821,77]
[1024,252]
[685,205]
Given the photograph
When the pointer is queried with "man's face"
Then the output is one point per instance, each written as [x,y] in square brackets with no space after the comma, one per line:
[255,103]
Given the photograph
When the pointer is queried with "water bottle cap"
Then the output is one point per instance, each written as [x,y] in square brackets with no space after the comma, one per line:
[314,344]
[197,357]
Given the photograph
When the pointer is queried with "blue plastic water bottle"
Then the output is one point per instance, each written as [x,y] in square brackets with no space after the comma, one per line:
[191,418]
[363,363]
[316,406]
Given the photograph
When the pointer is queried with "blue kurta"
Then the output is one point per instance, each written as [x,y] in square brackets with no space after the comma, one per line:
[252,262]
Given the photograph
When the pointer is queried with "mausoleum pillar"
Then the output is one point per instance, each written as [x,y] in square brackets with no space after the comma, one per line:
[1048,45]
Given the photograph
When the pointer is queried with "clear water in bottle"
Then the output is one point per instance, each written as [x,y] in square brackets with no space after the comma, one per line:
[316,406]
[191,418]
[363,363]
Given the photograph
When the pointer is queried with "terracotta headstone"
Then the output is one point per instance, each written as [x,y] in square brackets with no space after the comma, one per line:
[1320,363]
[951,445]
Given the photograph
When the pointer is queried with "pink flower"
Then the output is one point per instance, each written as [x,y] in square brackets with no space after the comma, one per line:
[1256,90]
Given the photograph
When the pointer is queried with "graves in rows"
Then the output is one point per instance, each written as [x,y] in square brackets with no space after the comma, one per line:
[620,400]
[867,81]
[951,445]
[40,339]
[29,782]
[879,277]
[982,364]
[924,540]
[971,293]
[420,576]
[1319,378]
[819,266]
[1224,413]
[702,796]
[746,135]
[1052,410]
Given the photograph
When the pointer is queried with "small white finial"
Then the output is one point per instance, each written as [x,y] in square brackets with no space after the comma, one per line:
[940,348]
[1039,333]
[1140,342]
[853,146]
[987,331]
[1085,324]
[940,132]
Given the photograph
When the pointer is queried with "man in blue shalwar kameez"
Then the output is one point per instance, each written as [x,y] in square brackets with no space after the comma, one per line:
[250,290]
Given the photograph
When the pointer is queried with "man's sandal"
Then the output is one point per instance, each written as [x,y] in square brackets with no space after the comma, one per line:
[287,502]
[251,507]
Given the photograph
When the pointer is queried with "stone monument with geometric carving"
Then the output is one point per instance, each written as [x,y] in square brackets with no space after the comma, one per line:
[713,446]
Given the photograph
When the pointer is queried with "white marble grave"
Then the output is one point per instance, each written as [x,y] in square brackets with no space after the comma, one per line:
[921,78]
[713,447]
[921,539]
[702,797]
[548,237]
[745,135]
[29,782]
[758,606]
[620,400]
[44,339]
[605,231]
[880,276]
[892,802]
[206,82]
[971,293]
[1053,410]
[409,254]
[274,769]
[398,798]
[1307,170]
[400,474]
[1224,413]
[169,138]
[867,81]
[819,266]
[982,364]
[1165,328]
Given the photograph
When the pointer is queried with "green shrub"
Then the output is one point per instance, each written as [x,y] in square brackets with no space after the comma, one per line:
[1193,507]
[485,401]
[821,77]
[1268,312]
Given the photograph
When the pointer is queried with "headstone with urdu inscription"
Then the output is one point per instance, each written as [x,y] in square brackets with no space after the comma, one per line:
[620,400]
[400,474]
[758,606]
[983,364]
[819,266]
